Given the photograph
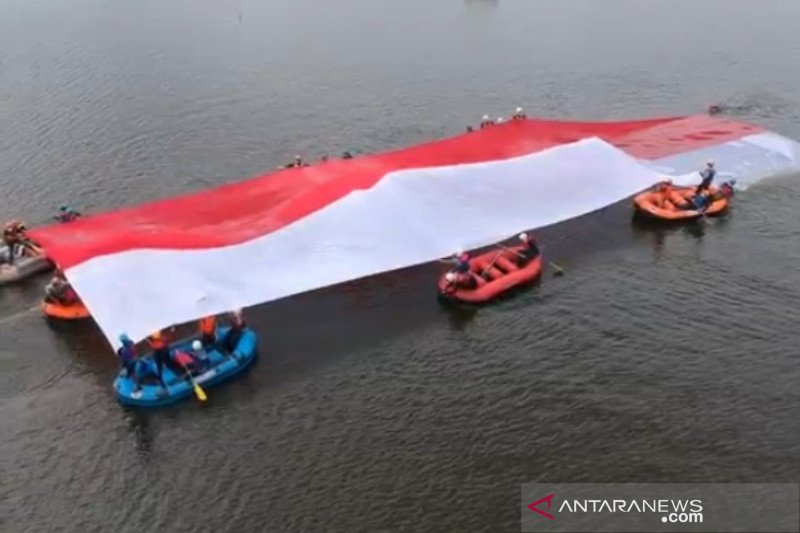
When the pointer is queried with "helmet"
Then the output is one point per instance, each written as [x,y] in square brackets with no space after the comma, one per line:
[710,163]
[197,345]
[156,335]
[124,338]
[499,120]
[63,208]
[519,110]
[450,277]
[523,237]
[485,117]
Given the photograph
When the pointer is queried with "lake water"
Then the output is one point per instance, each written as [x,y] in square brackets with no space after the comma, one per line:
[661,355]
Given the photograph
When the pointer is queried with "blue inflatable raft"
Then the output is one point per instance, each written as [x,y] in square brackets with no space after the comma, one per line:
[221,367]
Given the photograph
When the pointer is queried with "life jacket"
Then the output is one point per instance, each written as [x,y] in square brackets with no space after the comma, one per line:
[157,344]
[208,325]
[184,359]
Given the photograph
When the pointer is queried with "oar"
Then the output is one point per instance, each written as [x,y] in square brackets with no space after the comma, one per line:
[512,251]
[198,391]
[488,268]
[558,270]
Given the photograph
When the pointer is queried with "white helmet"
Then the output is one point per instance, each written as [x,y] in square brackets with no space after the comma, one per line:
[500,120]
[485,117]
[519,110]
[450,277]
[197,345]
[523,237]
[710,163]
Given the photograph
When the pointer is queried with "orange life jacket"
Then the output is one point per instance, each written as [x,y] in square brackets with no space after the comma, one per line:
[208,325]
[157,344]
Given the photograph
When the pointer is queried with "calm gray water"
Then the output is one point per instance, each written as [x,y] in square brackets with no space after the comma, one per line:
[662,355]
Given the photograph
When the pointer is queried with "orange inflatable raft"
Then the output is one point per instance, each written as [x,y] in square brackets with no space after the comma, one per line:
[503,274]
[76,311]
[668,204]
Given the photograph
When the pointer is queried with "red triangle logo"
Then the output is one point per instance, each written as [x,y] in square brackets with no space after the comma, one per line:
[549,500]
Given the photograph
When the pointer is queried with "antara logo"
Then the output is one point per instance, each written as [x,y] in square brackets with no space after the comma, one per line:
[549,500]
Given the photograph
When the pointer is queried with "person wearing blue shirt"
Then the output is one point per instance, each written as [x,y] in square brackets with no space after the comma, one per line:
[127,354]
[707,174]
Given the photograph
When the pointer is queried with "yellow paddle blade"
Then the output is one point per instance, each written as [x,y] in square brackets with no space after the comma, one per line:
[200,393]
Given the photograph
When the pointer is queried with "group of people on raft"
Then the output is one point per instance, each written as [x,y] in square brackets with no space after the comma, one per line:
[487,121]
[299,162]
[463,277]
[16,239]
[149,367]
[702,198]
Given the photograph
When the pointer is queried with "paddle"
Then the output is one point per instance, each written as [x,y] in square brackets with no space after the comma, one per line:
[198,391]
[558,270]
[488,268]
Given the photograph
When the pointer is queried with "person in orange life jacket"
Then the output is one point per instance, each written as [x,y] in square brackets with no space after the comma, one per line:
[160,349]
[530,250]
[231,338]
[208,331]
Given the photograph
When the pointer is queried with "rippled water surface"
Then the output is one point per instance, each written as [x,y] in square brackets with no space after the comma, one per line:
[661,355]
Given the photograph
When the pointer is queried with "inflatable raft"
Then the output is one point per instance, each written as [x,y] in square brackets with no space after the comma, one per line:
[501,273]
[222,368]
[26,263]
[667,205]
[57,311]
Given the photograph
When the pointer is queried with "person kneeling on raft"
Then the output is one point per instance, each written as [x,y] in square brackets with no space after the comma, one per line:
[161,355]
[461,275]
[60,291]
[195,361]
[231,338]
[530,250]
[208,331]
[139,369]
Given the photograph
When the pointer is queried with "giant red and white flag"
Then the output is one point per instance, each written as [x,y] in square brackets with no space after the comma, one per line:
[171,261]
